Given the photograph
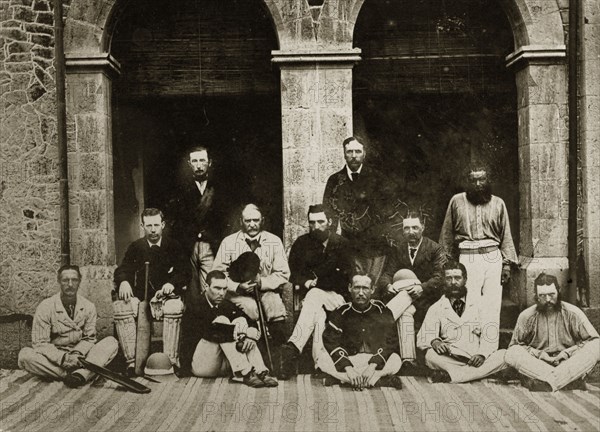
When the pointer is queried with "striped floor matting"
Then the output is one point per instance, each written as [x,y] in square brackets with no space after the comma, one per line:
[303,404]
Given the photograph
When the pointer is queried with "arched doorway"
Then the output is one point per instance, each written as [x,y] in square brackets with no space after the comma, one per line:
[194,73]
[432,94]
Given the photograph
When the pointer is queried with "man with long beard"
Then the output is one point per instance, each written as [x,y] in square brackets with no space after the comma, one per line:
[321,265]
[553,343]
[477,230]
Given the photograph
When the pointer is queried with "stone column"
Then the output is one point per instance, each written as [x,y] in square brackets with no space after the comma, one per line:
[590,146]
[543,172]
[316,114]
[90,178]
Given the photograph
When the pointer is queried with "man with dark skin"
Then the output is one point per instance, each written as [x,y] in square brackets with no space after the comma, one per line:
[476,231]
[453,334]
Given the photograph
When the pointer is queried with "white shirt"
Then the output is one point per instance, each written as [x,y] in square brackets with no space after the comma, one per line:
[158,243]
[349,171]
[201,186]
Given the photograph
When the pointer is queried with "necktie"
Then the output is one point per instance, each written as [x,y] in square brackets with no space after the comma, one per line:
[155,248]
[354,176]
[413,252]
[71,311]
[458,306]
[253,244]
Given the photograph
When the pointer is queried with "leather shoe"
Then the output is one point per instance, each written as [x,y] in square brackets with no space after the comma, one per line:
[288,363]
[252,380]
[390,381]
[268,379]
[74,380]
[440,376]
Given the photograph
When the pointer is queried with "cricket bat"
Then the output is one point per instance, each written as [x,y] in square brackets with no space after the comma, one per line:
[126,382]
[144,328]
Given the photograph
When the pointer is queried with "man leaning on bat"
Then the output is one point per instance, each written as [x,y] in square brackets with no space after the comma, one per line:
[169,272]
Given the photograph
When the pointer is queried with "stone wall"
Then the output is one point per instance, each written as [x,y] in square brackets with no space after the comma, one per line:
[29,230]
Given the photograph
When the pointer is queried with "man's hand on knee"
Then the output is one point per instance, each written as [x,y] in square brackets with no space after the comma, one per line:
[125,291]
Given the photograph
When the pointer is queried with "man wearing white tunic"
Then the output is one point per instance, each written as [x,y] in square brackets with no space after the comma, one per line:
[454,335]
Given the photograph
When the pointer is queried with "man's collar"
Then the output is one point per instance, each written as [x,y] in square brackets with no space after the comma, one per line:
[417,246]
[349,171]
[212,306]
[158,243]
[363,311]
[201,185]
[257,237]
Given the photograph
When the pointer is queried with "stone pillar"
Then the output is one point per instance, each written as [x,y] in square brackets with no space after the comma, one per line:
[590,146]
[91,179]
[316,113]
[543,172]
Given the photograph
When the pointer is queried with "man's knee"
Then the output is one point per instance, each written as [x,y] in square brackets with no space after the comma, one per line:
[26,357]
[314,295]
[514,353]
[109,344]
[274,307]
[173,307]
[221,319]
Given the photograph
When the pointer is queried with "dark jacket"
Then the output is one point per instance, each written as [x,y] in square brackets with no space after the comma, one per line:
[332,265]
[199,325]
[348,330]
[428,267]
[360,206]
[167,264]
[193,213]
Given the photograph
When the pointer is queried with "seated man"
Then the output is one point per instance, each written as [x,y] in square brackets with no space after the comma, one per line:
[321,264]
[169,272]
[64,330]
[458,345]
[425,260]
[227,338]
[274,271]
[361,340]
[554,343]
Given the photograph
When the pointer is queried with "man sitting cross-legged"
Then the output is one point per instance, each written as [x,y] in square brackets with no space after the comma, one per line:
[227,338]
[64,330]
[361,340]
[321,264]
[459,346]
[554,344]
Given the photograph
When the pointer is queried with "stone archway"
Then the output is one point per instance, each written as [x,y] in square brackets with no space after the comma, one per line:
[90,70]
[540,73]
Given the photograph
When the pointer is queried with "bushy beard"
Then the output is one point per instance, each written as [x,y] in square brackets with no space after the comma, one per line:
[319,235]
[462,291]
[200,177]
[479,197]
[549,307]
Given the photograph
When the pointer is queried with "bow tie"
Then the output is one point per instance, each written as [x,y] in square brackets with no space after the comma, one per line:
[155,248]
[253,244]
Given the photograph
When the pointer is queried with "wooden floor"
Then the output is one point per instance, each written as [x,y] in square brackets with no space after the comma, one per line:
[304,404]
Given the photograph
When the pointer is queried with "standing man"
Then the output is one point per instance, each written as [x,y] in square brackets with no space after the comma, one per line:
[360,199]
[361,342]
[199,221]
[477,226]
[321,265]
[63,331]
[454,334]
[274,271]
[425,259]
[226,338]
[554,343]
[169,273]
